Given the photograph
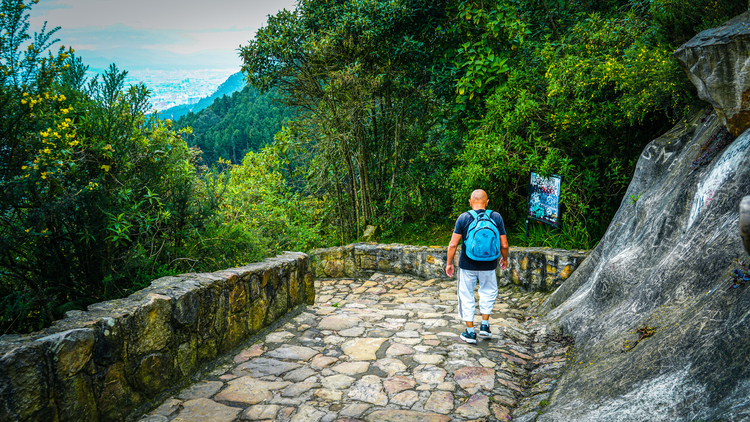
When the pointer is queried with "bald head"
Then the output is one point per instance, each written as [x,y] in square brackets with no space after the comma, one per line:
[478,200]
[478,195]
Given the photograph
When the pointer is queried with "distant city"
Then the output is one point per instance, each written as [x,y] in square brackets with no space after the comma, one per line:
[170,88]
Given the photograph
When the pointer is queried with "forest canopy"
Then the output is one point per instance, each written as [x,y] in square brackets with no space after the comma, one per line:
[409,105]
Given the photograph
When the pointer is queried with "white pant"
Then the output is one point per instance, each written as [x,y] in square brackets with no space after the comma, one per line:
[467,280]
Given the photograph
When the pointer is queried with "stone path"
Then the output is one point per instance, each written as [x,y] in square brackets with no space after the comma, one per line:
[383,350]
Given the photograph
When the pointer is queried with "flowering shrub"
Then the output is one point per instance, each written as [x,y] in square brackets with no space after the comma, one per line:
[97,196]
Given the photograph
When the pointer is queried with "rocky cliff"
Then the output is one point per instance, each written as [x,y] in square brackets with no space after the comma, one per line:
[718,64]
[661,334]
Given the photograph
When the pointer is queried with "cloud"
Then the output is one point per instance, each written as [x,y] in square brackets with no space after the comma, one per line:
[119,36]
[47,6]
[129,59]
[165,14]
[157,33]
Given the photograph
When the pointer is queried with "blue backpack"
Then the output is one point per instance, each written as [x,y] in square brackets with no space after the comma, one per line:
[482,238]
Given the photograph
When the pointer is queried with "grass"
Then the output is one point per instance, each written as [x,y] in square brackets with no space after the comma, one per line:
[422,234]
[542,235]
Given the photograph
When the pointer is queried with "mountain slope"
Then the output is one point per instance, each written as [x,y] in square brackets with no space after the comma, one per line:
[233,125]
[233,84]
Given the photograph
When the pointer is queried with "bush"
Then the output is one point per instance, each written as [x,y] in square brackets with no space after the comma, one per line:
[98,197]
[257,199]
[582,106]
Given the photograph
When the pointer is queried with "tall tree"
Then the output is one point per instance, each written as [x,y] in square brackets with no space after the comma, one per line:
[360,69]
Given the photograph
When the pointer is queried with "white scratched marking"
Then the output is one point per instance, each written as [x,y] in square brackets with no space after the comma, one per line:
[723,167]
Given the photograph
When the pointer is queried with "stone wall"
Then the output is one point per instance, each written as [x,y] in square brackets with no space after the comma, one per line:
[109,363]
[535,269]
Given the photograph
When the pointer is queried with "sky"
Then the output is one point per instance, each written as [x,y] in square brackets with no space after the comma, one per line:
[156,34]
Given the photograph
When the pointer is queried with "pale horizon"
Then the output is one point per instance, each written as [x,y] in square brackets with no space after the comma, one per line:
[156,34]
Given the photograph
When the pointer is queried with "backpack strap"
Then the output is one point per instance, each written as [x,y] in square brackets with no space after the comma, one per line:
[473,214]
[489,217]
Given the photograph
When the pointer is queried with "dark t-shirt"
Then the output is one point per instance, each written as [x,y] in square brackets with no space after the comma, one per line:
[462,226]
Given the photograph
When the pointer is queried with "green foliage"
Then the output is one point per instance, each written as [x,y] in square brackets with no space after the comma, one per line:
[402,108]
[259,201]
[679,20]
[234,125]
[489,29]
[98,197]
[611,74]
[503,87]
[356,71]
[583,96]
[421,233]
[101,195]
[540,235]
[542,404]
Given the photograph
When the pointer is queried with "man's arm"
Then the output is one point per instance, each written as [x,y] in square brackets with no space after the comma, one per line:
[452,246]
[503,251]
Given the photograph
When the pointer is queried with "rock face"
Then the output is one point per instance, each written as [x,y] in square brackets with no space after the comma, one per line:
[533,269]
[369,234]
[716,61]
[103,364]
[664,263]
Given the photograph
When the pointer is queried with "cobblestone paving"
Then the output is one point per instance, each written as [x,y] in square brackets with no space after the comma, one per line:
[385,349]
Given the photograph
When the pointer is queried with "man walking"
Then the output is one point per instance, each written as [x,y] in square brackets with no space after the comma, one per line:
[485,241]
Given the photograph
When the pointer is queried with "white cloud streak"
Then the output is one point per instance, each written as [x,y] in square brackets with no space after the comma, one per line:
[105,28]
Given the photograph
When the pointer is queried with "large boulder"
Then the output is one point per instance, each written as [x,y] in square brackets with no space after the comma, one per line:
[718,63]
[662,268]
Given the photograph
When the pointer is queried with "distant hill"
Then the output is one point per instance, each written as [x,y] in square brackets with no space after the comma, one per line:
[233,125]
[233,84]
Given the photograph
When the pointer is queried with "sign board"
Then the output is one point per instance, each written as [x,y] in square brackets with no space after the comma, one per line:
[544,199]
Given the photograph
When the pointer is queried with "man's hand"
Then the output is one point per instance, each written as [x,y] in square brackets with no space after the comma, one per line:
[503,263]
[452,246]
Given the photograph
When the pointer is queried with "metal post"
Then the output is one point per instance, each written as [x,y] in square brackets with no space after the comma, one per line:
[527,232]
[745,222]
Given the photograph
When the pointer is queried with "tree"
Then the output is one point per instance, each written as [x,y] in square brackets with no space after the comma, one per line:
[233,126]
[359,70]
[97,195]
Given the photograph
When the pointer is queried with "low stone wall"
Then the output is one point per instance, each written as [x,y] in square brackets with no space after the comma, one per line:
[533,269]
[121,355]
[540,269]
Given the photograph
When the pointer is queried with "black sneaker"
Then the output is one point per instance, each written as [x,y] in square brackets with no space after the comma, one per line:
[469,337]
[484,330]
